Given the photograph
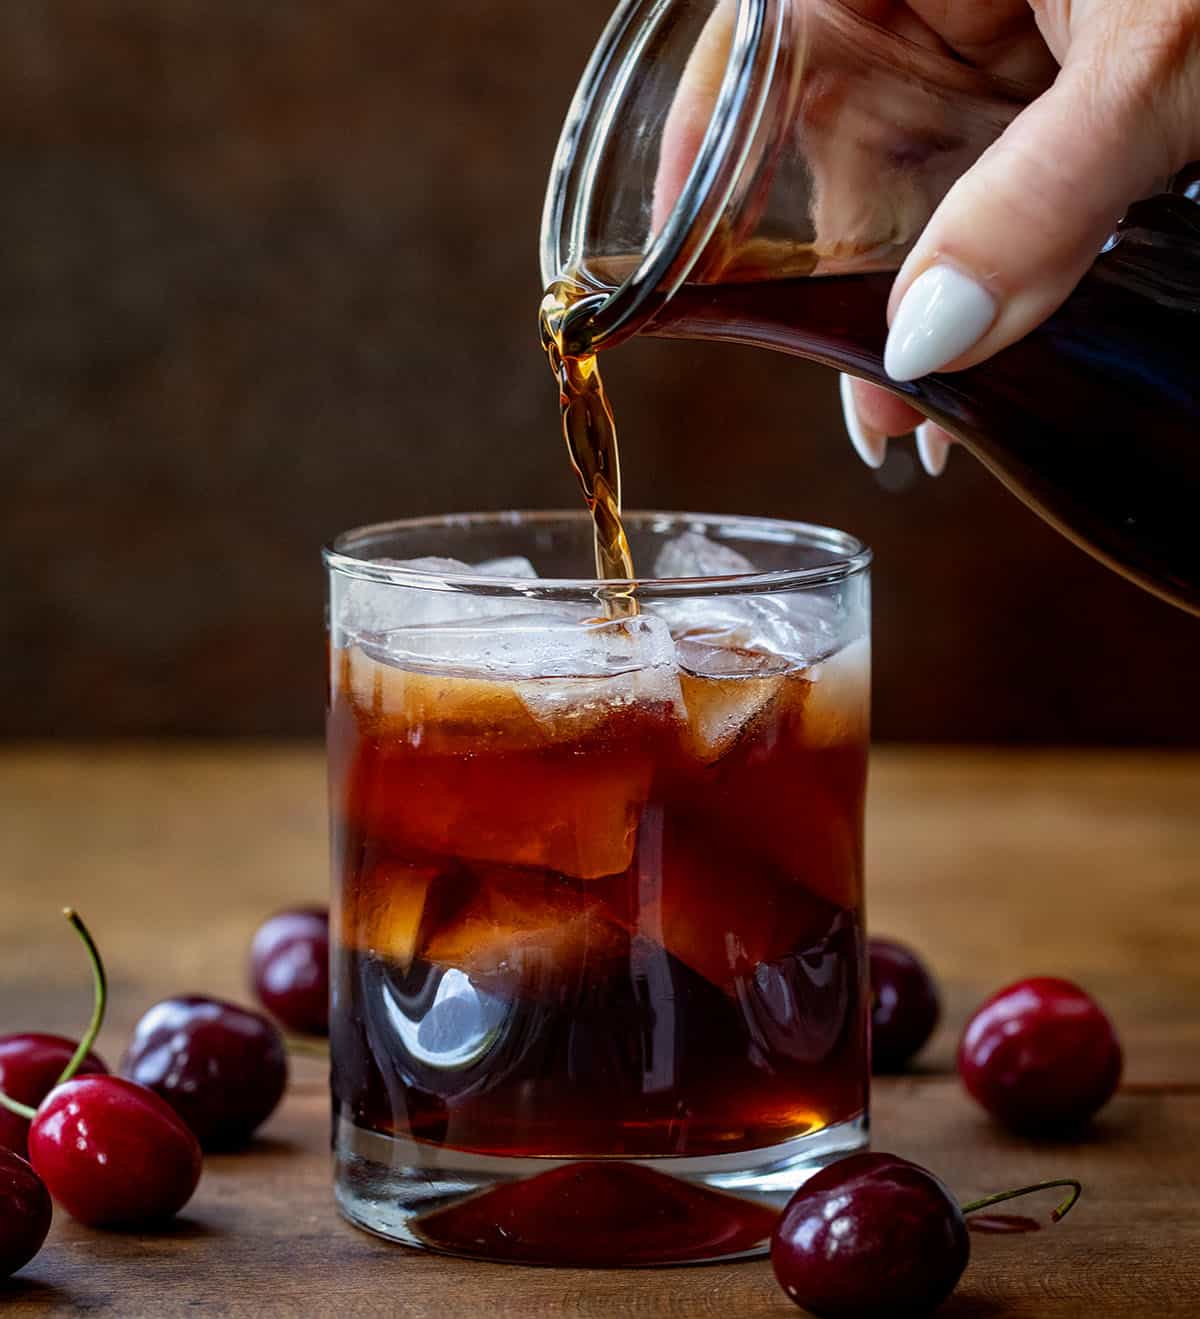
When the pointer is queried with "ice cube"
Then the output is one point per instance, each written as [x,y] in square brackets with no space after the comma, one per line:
[497,924]
[837,707]
[442,712]
[719,709]
[525,931]
[385,909]
[725,689]
[792,629]
[374,608]
[796,627]
[512,565]
[464,766]
[527,642]
[551,769]
[586,675]
[692,554]
[786,806]
[718,908]
[540,677]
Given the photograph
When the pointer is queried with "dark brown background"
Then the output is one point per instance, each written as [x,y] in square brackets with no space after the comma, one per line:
[267,270]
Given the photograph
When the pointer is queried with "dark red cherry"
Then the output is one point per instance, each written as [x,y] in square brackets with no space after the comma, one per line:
[1040,1055]
[289,968]
[875,1236]
[112,1153]
[222,1068]
[30,1064]
[868,1236]
[24,1213]
[904,1004]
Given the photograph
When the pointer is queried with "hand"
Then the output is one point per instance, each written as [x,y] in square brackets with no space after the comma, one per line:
[1117,118]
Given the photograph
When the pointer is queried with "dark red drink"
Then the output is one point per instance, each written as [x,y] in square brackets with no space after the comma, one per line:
[598,898]
[646,941]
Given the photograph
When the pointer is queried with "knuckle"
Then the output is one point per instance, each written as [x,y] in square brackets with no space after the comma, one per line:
[1146,80]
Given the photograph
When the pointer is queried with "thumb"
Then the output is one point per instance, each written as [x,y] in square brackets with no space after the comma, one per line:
[1017,232]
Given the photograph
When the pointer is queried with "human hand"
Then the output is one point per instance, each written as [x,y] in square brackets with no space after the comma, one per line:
[1119,115]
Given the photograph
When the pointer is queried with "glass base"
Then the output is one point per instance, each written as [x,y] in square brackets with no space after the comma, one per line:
[599,1213]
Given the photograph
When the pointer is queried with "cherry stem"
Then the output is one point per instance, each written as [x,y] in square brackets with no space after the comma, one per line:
[1061,1212]
[13,1106]
[99,996]
[99,1002]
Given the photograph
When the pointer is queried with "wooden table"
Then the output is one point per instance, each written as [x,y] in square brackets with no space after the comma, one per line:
[997,864]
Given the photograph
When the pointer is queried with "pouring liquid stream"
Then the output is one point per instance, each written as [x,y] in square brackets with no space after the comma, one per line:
[591,437]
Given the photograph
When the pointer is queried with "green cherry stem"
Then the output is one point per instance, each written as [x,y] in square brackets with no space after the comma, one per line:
[13,1106]
[1061,1212]
[99,995]
[99,1002]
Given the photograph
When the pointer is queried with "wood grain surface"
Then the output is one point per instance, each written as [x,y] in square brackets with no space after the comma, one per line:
[995,864]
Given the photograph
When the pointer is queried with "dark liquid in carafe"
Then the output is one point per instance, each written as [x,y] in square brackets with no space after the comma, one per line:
[1093,419]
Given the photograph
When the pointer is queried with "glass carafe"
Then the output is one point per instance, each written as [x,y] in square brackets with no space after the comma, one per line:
[756,170]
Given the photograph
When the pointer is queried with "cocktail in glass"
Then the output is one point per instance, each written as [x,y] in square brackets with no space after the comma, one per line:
[599,980]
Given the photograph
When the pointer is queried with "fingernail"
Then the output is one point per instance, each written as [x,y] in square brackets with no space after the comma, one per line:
[943,313]
[932,448]
[870,445]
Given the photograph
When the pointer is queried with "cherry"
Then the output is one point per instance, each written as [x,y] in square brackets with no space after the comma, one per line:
[113,1153]
[905,1005]
[24,1212]
[1040,1055]
[222,1068]
[30,1065]
[289,968]
[109,1151]
[875,1235]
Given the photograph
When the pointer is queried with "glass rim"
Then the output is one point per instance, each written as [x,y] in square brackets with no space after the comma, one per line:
[849,556]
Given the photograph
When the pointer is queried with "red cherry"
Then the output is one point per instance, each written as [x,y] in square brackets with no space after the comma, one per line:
[222,1068]
[24,1213]
[904,1004]
[1040,1055]
[289,968]
[113,1153]
[30,1064]
[109,1151]
[874,1235]
[870,1235]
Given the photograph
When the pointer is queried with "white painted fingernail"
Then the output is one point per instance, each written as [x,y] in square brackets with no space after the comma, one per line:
[943,313]
[932,448]
[870,446]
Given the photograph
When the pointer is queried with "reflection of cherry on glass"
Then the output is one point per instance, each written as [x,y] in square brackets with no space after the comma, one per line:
[595,1214]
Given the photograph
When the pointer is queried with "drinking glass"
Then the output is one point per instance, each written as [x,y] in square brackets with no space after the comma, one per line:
[599,971]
